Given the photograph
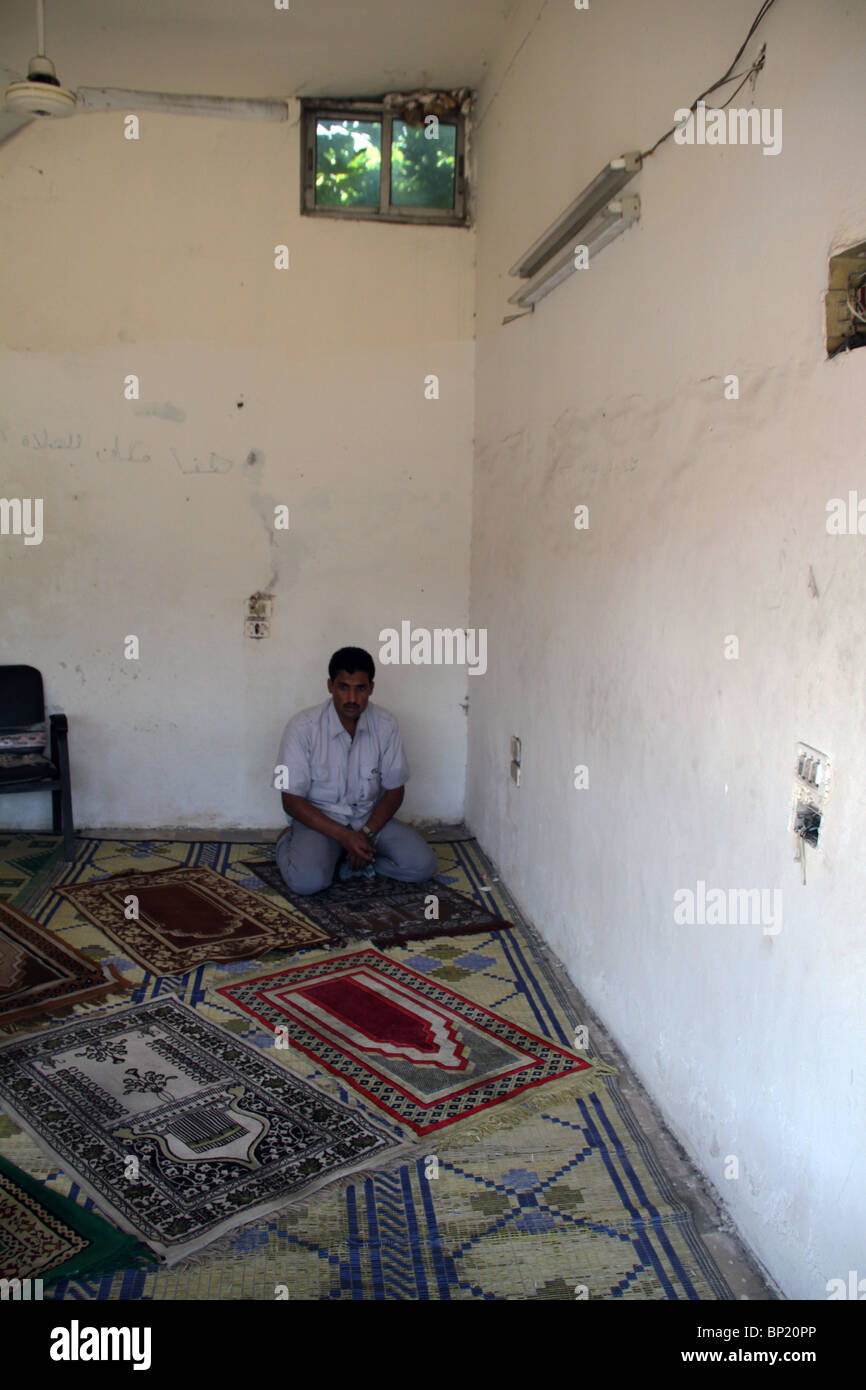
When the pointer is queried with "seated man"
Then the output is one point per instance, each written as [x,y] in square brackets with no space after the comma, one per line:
[346,772]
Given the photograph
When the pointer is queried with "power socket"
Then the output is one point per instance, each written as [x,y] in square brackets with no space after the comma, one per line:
[257,622]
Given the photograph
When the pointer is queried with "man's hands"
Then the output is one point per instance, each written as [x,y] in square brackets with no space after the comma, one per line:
[359,848]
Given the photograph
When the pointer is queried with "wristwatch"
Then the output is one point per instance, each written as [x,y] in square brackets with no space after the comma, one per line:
[371,834]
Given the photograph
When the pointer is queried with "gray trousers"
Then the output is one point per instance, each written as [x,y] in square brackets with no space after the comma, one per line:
[307,860]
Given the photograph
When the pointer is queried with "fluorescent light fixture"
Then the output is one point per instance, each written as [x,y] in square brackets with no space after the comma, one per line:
[609,222]
[604,187]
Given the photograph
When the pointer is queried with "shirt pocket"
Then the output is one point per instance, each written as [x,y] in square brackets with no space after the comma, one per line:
[325,783]
[371,782]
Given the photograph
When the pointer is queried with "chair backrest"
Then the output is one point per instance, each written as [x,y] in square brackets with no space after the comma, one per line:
[22,700]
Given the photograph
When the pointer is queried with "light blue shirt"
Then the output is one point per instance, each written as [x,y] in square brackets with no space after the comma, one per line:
[340,775]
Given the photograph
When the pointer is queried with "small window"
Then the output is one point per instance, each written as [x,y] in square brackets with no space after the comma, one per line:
[401,159]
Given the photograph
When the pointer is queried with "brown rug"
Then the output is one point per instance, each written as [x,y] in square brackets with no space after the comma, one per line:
[187,917]
[40,973]
[381,910]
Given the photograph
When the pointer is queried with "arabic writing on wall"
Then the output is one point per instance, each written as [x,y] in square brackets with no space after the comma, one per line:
[119,451]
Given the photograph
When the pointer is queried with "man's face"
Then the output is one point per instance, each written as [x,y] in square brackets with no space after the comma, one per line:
[351,693]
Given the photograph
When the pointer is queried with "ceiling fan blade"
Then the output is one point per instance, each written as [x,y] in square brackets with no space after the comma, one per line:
[11,122]
[178,104]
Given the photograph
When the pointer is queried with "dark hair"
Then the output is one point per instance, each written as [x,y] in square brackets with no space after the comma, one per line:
[350,660]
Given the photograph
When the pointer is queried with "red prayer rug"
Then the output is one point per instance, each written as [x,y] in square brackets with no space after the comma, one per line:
[186,917]
[424,1054]
[40,973]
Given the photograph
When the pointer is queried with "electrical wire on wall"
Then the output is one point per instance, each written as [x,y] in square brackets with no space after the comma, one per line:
[857,288]
[800,855]
[729,76]
[855,302]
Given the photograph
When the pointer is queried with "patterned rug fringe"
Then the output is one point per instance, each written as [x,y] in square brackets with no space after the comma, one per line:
[510,1114]
[226,1245]
[34,1022]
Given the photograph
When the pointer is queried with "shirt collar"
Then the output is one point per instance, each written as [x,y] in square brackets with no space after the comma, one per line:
[335,727]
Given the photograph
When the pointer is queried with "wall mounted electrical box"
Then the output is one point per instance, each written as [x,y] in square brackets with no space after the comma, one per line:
[257,622]
[811,789]
[846,300]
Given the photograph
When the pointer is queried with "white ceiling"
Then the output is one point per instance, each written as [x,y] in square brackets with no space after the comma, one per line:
[248,48]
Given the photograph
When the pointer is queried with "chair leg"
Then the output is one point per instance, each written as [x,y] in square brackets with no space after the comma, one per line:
[68,825]
[56,813]
[65,798]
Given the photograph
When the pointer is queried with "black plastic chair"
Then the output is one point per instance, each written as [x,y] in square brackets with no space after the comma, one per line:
[33,757]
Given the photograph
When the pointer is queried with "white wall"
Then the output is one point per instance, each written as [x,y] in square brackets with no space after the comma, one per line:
[156,257]
[707,518]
